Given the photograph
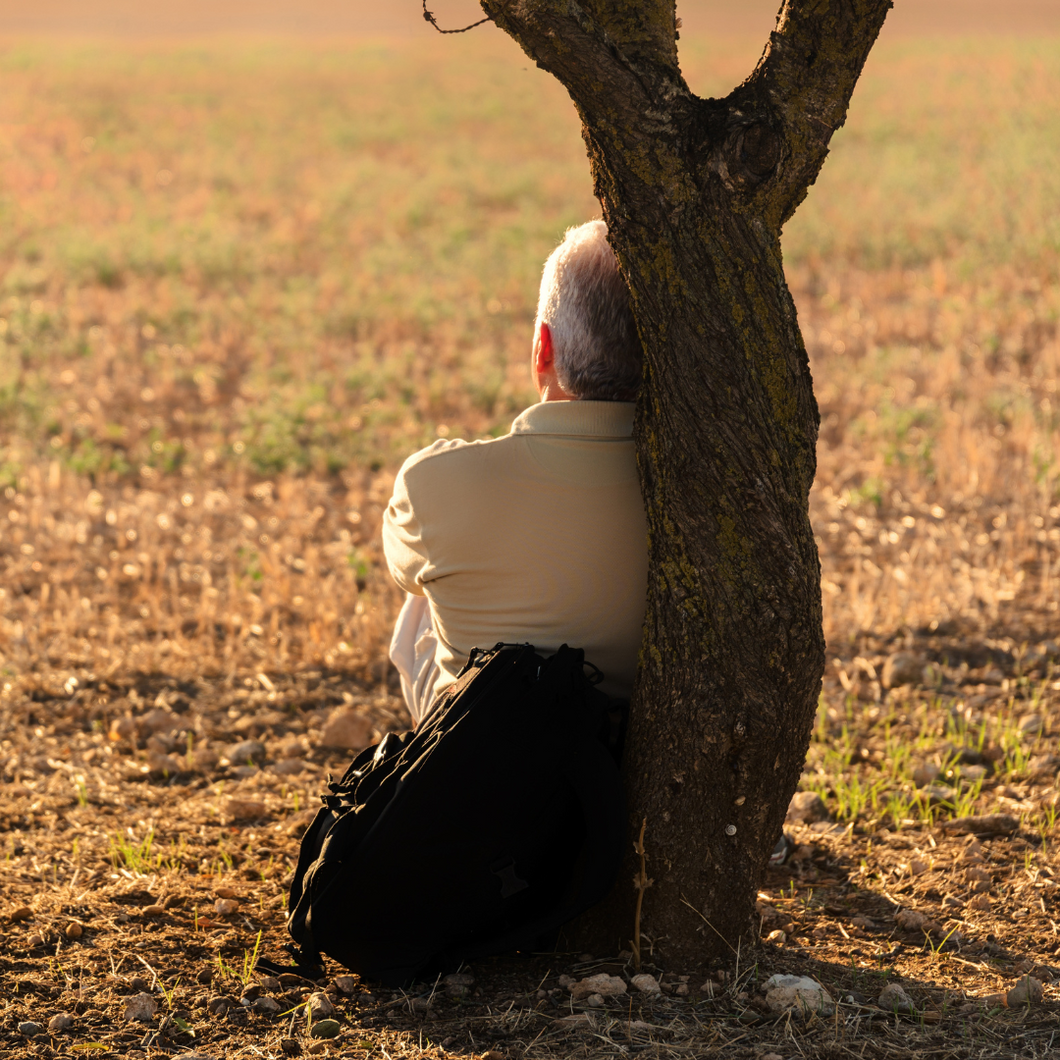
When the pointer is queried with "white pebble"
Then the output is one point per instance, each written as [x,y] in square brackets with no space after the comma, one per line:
[140,1008]
[603,984]
[646,984]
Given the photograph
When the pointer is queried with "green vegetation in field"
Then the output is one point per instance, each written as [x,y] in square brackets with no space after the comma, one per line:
[296,258]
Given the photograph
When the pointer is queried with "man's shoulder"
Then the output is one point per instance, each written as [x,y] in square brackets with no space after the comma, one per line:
[449,461]
[453,452]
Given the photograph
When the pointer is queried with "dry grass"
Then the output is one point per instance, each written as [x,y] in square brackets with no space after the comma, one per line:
[240,283]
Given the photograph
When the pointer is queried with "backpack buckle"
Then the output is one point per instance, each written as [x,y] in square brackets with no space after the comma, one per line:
[504,869]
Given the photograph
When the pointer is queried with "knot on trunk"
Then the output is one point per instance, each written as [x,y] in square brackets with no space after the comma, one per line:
[752,152]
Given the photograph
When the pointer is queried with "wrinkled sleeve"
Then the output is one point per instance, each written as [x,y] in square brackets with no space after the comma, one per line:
[403,544]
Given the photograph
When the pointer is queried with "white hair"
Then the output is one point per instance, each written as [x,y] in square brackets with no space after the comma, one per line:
[585,303]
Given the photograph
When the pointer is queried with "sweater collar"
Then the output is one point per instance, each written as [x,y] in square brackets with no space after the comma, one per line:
[600,419]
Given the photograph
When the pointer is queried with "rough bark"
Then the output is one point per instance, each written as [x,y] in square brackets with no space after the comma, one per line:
[695,192]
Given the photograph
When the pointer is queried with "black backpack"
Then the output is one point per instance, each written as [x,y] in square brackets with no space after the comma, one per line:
[495,822]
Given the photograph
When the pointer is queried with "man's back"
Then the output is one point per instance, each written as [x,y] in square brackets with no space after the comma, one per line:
[535,537]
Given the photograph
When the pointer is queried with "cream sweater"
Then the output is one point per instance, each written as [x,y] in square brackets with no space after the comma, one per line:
[535,537]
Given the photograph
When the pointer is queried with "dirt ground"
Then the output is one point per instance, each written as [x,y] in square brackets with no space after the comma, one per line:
[150,826]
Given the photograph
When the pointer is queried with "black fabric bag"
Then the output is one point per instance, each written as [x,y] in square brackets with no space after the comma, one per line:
[498,820]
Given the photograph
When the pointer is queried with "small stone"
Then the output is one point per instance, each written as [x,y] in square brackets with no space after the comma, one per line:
[203,760]
[797,994]
[237,809]
[603,984]
[806,807]
[951,901]
[1044,766]
[270,984]
[225,892]
[681,990]
[225,906]
[772,1056]
[34,942]
[646,984]
[972,853]
[346,983]
[594,1001]
[140,1008]
[217,1006]
[566,981]
[329,1028]
[902,668]
[917,867]
[159,721]
[862,922]
[346,730]
[73,930]
[459,979]
[163,765]
[288,767]
[20,912]
[121,729]
[29,1029]
[911,920]
[320,1007]
[1028,991]
[777,937]
[290,1047]
[152,910]
[894,999]
[246,752]
[61,1021]
[420,1006]
[138,985]
[980,903]
[266,1006]
[1031,724]
[937,793]
[925,773]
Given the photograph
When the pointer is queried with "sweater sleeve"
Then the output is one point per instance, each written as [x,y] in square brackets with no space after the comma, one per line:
[403,544]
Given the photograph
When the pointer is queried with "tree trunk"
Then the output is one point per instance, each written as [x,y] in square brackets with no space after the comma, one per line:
[694,193]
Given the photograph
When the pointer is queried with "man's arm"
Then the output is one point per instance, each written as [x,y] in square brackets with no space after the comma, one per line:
[403,544]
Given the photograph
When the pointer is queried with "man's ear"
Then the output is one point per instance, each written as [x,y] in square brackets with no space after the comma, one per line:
[543,353]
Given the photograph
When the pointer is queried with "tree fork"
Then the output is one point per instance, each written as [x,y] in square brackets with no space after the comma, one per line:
[695,193]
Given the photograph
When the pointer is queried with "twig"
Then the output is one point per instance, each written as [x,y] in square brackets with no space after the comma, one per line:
[429,17]
[711,926]
[641,883]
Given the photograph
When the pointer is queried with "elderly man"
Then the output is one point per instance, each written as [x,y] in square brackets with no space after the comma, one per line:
[538,537]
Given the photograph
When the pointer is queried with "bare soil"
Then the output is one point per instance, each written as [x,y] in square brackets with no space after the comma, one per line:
[115,867]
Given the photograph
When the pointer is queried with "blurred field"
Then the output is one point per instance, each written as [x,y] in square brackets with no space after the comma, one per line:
[240,282]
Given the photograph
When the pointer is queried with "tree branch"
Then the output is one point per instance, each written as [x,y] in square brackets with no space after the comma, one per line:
[806,77]
[599,50]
